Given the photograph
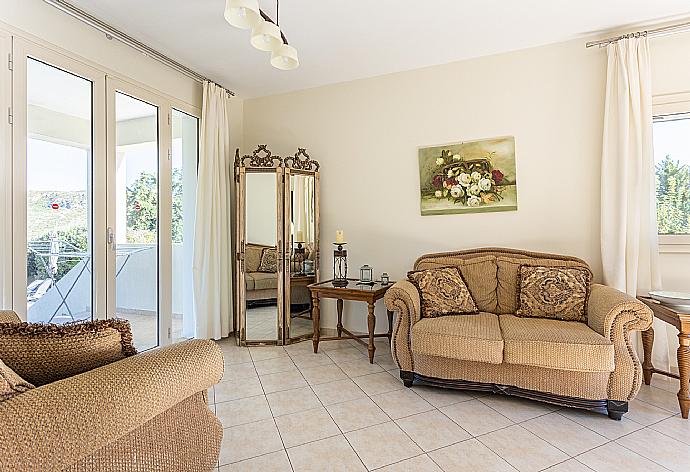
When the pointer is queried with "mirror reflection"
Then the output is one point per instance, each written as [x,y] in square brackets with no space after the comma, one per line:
[261,274]
[302,252]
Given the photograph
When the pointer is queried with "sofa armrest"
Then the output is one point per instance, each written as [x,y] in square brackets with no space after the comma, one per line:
[614,315]
[403,298]
[8,316]
[58,424]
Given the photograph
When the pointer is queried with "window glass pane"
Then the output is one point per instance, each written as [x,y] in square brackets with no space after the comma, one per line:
[184,171]
[136,217]
[672,162]
[59,158]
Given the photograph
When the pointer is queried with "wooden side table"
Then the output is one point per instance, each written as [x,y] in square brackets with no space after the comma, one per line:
[682,322]
[354,292]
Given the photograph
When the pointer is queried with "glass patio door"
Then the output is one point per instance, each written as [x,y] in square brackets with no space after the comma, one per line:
[57,129]
[139,253]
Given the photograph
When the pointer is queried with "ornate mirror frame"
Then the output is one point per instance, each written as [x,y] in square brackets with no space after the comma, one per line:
[263,161]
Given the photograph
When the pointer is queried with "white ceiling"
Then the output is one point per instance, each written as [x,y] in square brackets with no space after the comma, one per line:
[342,40]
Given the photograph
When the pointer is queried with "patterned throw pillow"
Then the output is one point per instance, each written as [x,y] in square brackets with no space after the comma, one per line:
[42,353]
[442,292]
[10,383]
[268,260]
[553,292]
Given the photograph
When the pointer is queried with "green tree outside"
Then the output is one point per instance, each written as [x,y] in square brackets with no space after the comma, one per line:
[673,197]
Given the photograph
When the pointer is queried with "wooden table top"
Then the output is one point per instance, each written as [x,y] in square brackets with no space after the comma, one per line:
[665,313]
[353,290]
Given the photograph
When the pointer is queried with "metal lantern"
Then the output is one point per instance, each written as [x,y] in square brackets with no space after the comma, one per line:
[384,278]
[366,274]
[340,265]
[299,257]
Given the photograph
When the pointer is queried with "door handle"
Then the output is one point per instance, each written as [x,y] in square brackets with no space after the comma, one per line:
[110,237]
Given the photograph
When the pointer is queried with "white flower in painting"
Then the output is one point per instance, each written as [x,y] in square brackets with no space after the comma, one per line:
[457,191]
[473,201]
[476,176]
[464,179]
[439,161]
[438,194]
[485,184]
[450,173]
[457,157]
[473,190]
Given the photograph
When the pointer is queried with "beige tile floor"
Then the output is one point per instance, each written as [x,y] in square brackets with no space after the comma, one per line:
[287,409]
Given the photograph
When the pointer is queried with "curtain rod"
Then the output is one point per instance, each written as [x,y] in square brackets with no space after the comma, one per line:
[662,31]
[113,33]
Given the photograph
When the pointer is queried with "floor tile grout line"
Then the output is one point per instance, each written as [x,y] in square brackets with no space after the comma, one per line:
[642,455]
[436,408]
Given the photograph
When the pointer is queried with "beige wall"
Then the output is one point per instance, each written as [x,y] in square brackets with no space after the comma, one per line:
[366,133]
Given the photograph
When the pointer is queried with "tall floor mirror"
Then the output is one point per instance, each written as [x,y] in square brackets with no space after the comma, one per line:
[277,246]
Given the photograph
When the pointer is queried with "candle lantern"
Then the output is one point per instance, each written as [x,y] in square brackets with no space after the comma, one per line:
[298,257]
[384,278]
[340,265]
[366,274]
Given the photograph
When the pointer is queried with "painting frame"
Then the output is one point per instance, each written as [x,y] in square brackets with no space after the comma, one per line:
[471,176]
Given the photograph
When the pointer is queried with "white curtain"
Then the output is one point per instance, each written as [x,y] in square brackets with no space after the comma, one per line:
[212,265]
[629,241]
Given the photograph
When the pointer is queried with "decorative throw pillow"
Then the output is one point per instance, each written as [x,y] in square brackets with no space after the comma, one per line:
[10,383]
[442,292]
[553,292]
[268,260]
[43,353]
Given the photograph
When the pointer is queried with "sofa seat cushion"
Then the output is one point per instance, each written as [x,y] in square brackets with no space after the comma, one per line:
[264,280]
[249,281]
[555,344]
[475,337]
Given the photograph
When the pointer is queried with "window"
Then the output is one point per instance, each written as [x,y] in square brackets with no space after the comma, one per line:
[672,168]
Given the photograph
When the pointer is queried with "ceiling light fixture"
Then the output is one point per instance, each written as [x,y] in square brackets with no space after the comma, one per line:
[266,34]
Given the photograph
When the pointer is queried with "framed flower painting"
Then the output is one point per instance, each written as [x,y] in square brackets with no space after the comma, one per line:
[468,177]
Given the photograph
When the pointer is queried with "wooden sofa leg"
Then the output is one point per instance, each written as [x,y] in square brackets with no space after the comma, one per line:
[616,409]
[407,378]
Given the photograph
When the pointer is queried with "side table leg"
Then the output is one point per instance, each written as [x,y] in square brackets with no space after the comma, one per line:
[684,369]
[647,345]
[372,326]
[316,322]
[340,317]
[390,326]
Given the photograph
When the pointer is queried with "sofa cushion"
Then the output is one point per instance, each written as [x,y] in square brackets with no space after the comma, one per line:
[479,274]
[252,257]
[442,292]
[264,280]
[249,280]
[474,337]
[269,262]
[43,353]
[553,292]
[11,384]
[508,269]
[555,344]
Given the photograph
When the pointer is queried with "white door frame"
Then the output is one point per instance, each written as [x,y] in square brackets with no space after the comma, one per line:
[5,171]
[21,49]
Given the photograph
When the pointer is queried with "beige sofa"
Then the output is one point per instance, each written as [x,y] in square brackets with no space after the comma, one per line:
[144,413]
[259,285]
[592,365]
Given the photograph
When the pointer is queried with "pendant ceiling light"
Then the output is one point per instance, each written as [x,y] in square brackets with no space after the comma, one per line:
[266,34]
[243,14]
